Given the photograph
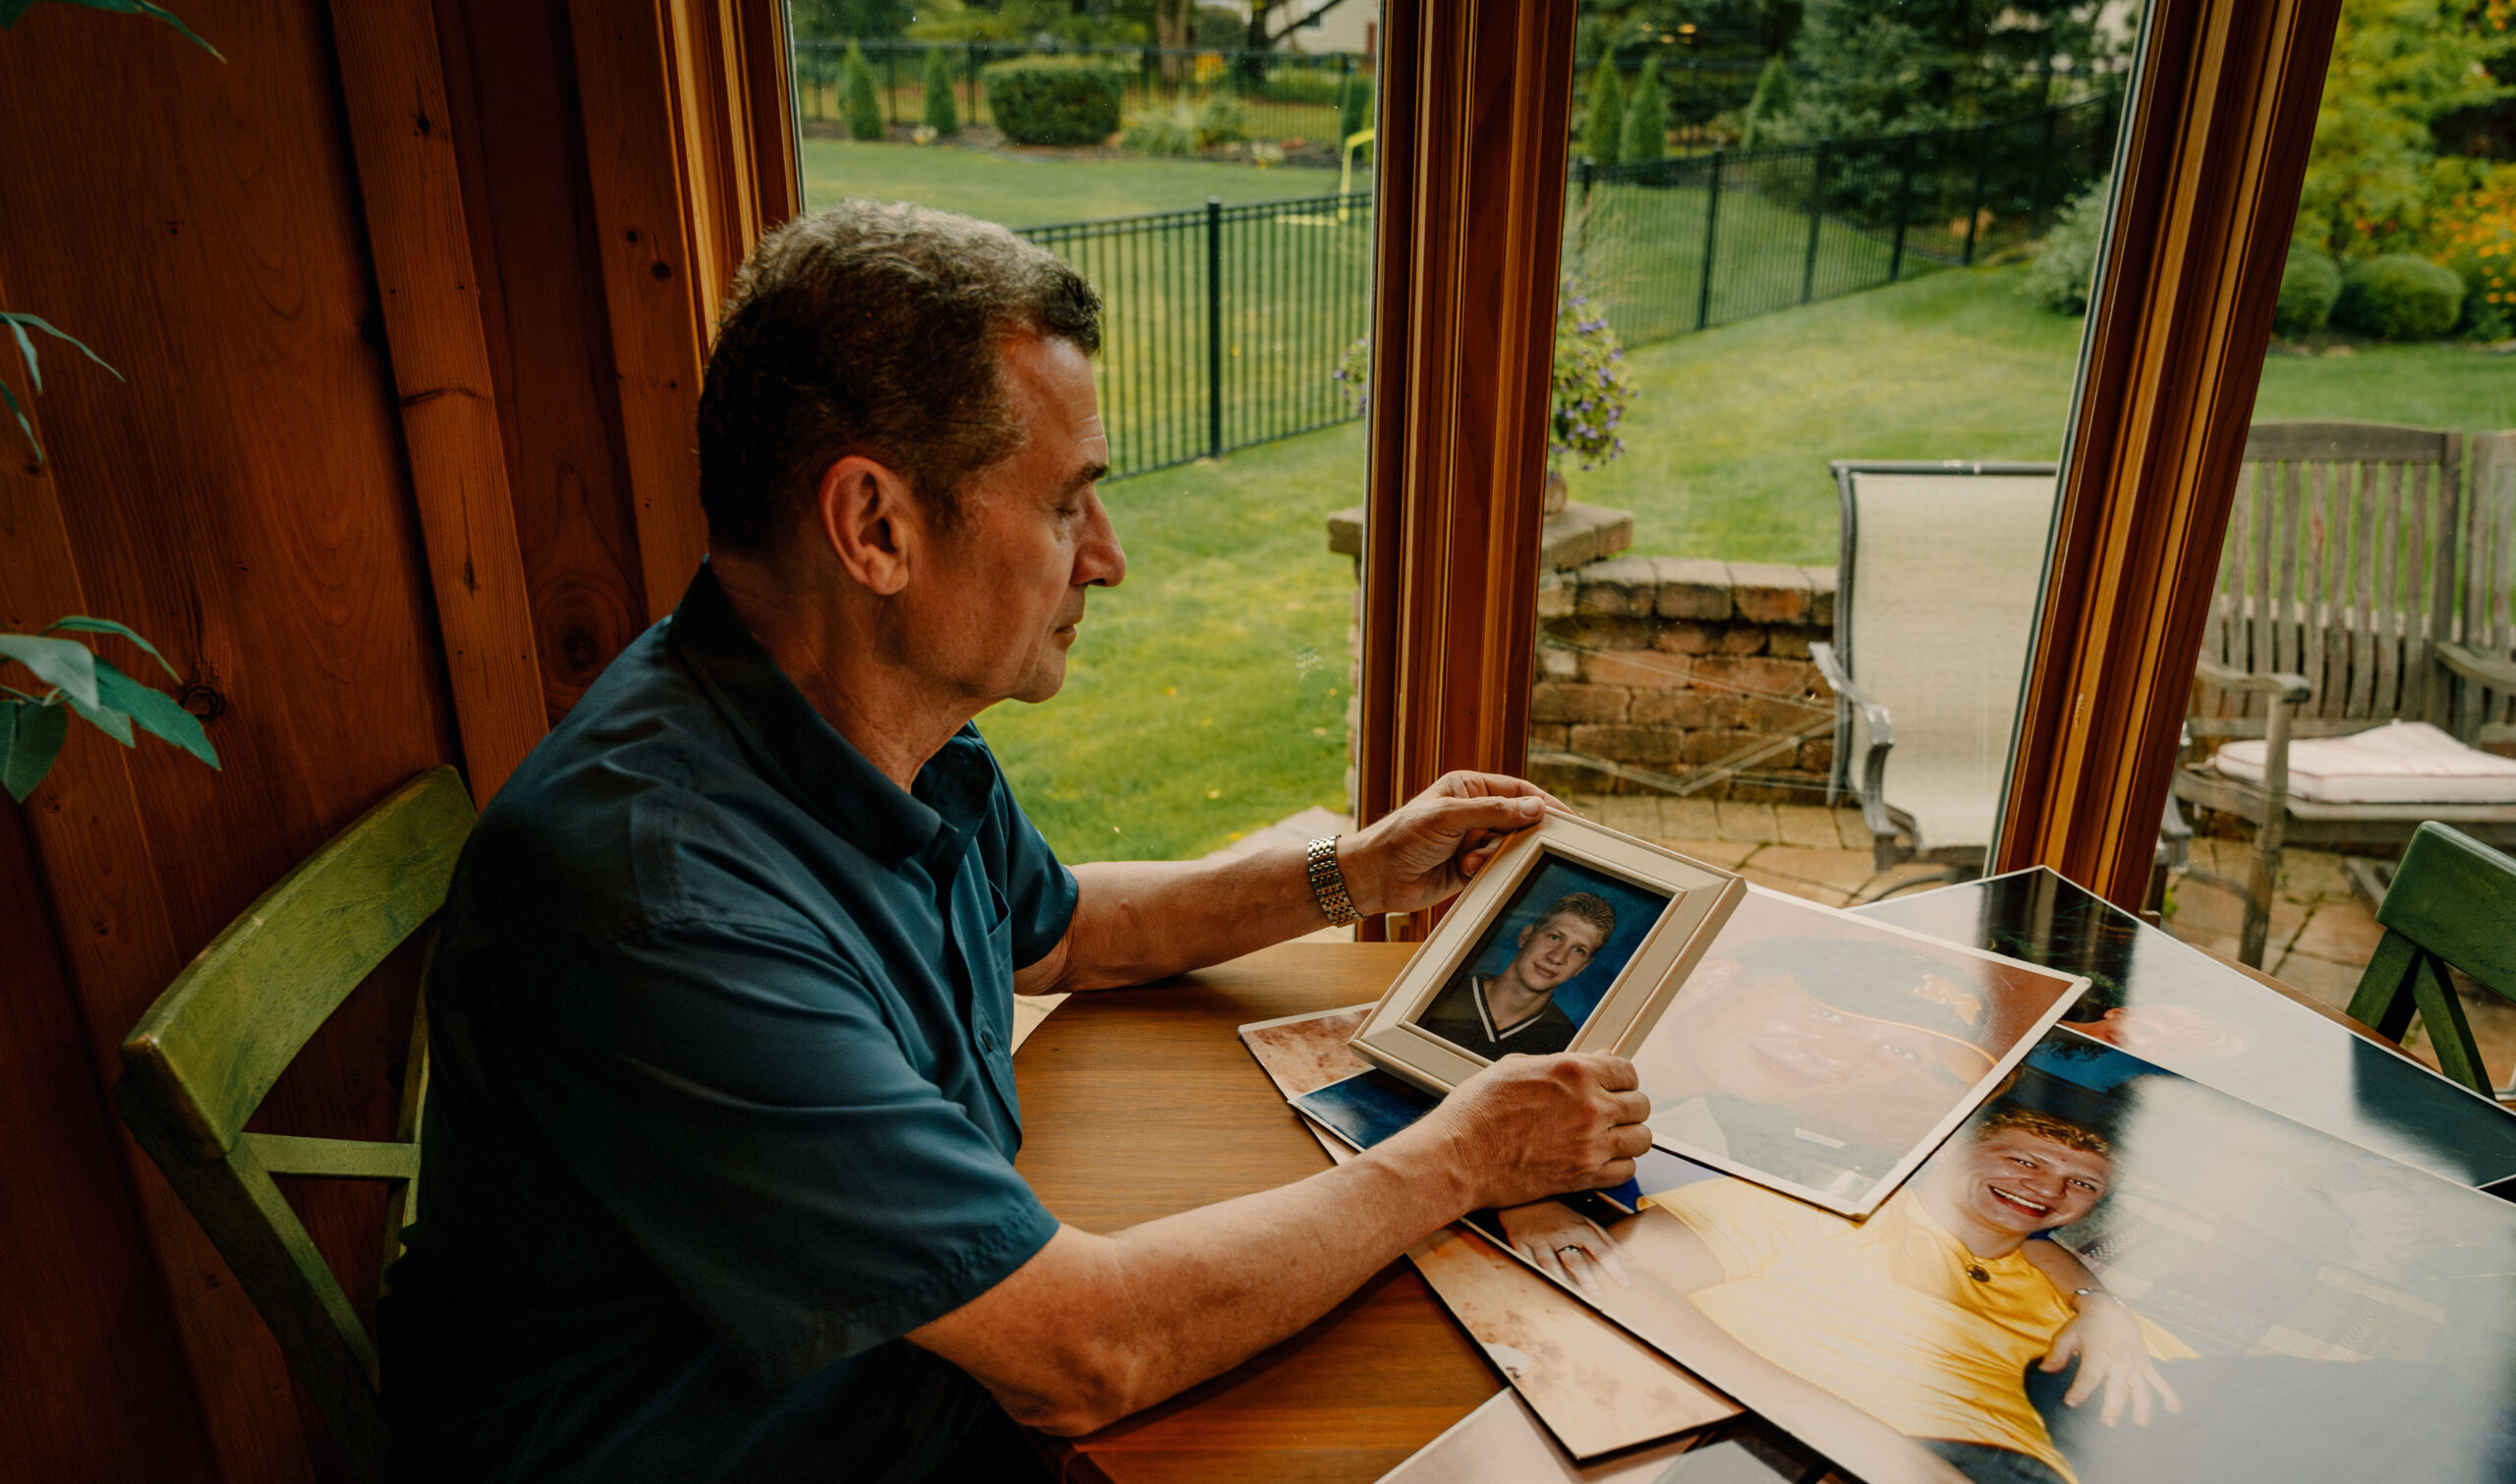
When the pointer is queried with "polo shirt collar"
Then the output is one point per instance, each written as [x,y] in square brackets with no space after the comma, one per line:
[806,758]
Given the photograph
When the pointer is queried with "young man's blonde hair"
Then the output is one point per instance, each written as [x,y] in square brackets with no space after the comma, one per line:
[2044,1125]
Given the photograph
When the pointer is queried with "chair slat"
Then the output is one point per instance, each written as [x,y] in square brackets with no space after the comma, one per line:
[2389,592]
[338,1158]
[2364,638]
[2316,596]
[218,1037]
[2284,598]
[2376,442]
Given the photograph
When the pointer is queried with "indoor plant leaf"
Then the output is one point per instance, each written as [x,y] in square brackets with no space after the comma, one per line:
[19,321]
[29,739]
[112,720]
[11,10]
[82,624]
[56,661]
[155,710]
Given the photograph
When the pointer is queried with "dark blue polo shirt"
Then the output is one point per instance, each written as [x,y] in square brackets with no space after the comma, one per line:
[721,1101]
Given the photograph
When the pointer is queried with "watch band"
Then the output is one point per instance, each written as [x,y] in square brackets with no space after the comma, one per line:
[1328,883]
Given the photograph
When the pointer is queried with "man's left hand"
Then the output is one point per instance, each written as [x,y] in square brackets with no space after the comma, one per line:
[1427,849]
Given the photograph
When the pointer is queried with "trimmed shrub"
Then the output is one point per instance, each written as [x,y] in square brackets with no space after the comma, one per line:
[857,99]
[2309,285]
[942,112]
[1646,118]
[1603,140]
[1353,108]
[1299,85]
[1054,100]
[2065,268]
[2399,297]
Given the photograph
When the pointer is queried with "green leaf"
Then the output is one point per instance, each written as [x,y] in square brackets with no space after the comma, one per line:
[11,10]
[29,739]
[57,662]
[25,427]
[82,624]
[19,322]
[155,710]
[108,719]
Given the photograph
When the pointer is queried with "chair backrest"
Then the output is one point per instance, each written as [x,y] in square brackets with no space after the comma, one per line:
[1936,605]
[2339,565]
[2488,553]
[204,1056]
[2451,903]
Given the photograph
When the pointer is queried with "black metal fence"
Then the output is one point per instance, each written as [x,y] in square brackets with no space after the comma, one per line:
[1286,95]
[1222,325]
[1681,244]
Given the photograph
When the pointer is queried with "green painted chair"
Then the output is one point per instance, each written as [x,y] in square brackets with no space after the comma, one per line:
[203,1059]
[2453,901]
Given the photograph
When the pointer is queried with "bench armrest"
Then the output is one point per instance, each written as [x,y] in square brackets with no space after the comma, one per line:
[2288,685]
[1882,737]
[2475,667]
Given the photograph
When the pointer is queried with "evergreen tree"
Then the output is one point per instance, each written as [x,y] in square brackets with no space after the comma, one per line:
[856,97]
[1646,118]
[942,112]
[1771,106]
[1604,139]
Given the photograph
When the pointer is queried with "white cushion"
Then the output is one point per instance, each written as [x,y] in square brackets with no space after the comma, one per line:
[2398,763]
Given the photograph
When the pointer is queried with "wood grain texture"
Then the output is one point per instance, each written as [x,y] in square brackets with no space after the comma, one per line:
[2218,131]
[88,1333]
[510,77]
[393,89]
[243,500]
[628,87]
[1141,1103]
[1475,99]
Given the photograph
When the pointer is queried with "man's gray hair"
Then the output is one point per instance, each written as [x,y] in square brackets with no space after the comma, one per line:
[877,329]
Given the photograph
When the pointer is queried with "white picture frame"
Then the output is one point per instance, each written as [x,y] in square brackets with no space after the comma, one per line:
[1694,900]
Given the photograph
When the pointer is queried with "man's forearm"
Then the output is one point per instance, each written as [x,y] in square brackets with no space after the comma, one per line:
[1136,921]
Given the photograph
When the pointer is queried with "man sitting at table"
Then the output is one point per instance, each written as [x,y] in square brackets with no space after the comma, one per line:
[1496,1014]
[720,1142]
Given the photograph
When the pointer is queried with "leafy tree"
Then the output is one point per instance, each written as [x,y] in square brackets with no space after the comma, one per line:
[846,19]
[1771,105]
[2397,67]
[943,113]
[856,97]
[1647,117]
[1604,139]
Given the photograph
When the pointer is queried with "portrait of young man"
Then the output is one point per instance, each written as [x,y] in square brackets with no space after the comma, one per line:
[1514,1010]
[721,1128]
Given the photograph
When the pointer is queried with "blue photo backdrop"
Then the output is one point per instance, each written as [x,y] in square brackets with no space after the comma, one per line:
[1636,909]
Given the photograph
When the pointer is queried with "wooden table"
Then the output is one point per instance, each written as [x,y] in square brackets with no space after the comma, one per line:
[1140,1102]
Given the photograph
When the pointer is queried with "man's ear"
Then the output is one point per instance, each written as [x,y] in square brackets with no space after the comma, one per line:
[865,515]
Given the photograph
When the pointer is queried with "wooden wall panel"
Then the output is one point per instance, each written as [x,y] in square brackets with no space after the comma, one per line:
[243,500]
[511,79]
[87,1332]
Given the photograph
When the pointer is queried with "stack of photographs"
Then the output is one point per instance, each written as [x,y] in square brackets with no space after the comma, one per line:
[2090,1209]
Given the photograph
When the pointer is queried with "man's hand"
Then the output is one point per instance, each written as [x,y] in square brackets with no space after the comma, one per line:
[1426,850]
[1528,1127]
[2106,1341]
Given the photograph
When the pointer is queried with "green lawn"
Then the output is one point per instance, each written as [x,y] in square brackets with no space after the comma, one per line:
[1729,432]
[1025,191]
[1206,696]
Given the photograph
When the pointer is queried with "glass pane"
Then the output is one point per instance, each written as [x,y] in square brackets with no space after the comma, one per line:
[1219,201]
[2374,526]
[1825,279]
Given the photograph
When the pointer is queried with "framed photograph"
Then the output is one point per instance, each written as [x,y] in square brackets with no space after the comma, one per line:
[1573,938]
[1826,1054]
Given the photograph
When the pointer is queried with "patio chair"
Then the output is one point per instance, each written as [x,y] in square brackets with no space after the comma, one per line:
[202,1060]
[2451,903]
[2336,613]
[1935,603]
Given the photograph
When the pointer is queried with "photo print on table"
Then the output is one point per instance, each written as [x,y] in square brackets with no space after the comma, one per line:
[1544,965]
[1827,1055]
[2109,1275]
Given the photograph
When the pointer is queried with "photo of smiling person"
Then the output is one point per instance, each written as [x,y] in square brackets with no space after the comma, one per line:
[1544,963]
[1827,1055]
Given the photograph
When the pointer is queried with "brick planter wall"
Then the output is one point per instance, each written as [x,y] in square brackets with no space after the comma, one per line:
[1659,665]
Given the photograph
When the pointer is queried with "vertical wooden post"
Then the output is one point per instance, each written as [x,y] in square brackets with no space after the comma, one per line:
[2213,154]
[1476,98]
